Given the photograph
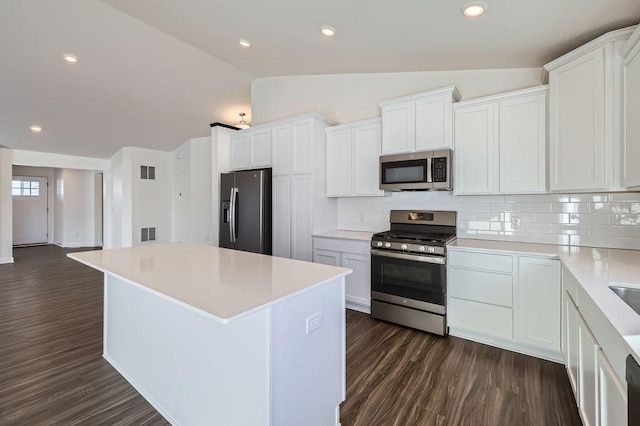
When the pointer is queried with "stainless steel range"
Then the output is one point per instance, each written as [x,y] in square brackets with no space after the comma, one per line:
[408,269]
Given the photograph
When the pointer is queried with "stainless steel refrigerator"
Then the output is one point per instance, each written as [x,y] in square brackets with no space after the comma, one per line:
[245,210]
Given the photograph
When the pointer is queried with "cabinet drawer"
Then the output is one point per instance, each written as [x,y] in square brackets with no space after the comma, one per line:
[487,262]
[348,246]
[480,317]
[479,286]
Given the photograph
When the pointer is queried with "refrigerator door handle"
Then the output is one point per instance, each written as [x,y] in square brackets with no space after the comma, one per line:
[232,214]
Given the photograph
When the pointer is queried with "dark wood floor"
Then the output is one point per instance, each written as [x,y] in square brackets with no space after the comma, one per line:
[52,372]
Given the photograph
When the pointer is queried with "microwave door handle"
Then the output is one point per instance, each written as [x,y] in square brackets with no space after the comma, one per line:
[429,170]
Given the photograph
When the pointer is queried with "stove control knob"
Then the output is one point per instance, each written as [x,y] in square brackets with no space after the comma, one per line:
[379,244]
[422,248]
[431,250]
[404,247]
[387,245]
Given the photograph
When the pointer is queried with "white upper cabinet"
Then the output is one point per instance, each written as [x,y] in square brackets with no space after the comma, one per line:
[418,122]
[302,147]
[523,142]
[500,143]
[585,134]
[281,150]
[353,152]
[339,162]
[251,149]
[475,156]
[631,88]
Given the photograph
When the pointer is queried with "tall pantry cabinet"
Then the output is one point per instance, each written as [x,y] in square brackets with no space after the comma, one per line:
[300,205]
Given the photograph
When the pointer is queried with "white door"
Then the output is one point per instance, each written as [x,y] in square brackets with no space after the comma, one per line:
[398,128]
[29,210]
[366,155]
[339,163]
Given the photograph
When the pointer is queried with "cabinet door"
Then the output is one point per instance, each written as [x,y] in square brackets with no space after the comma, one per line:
[540,304]
[301,216]
[281,150]
[612,394]
[339,163]
[570,336]
[261,148]
[326,257]
[475,149]
[367,142]
[433,123]
[358,283]
[240,152]
[588,374]
[302,147]
[398,128]
[281,234]
[523,141]
[631,114]
[577,124]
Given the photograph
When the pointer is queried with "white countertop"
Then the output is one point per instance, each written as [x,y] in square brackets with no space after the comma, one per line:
[507,246]
[594,268]
[346,235]
[220,283]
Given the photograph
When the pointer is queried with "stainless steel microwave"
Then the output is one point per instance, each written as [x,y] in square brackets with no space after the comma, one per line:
[416,171]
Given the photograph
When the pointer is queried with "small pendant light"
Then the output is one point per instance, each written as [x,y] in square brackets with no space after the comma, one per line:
[242,124]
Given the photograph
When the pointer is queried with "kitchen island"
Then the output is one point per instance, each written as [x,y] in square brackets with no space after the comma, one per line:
[217,336]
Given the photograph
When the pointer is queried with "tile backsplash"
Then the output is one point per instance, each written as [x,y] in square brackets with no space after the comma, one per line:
[594,220]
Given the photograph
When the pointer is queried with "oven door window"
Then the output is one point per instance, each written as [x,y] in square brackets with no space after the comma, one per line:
[409,279]
[410,171]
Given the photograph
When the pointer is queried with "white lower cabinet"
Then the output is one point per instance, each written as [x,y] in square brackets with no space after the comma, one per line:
[587,376]
[352,254]
[540,304]
[613,395]
[506,300]
[600,395]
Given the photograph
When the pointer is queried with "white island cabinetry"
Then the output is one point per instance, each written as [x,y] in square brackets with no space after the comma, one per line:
[349,249]
[217,336]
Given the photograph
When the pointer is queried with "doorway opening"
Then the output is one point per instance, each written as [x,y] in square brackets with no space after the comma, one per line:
[30,196]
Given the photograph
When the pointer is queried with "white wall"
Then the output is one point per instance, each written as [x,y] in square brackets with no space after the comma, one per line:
[6,206]
[47,172]
[151,199]
[132,203]
[75,201]
[197,165]
[349,97]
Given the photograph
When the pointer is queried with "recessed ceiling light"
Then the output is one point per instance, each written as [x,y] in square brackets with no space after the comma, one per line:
[244,43]
[474,9]
[35,129]
[72,59]
[327,31]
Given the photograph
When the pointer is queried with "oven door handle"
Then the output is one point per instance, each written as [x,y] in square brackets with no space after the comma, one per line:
[440,260]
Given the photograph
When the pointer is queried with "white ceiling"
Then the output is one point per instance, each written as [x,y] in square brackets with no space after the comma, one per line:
[161,81]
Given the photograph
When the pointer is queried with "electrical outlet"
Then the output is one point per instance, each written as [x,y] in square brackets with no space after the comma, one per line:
[314,322]
[515,222]
[361,217]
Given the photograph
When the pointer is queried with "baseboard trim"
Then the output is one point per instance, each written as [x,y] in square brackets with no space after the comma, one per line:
[76,245]
[545,354]
[358,304]
[6,260]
